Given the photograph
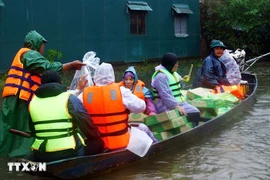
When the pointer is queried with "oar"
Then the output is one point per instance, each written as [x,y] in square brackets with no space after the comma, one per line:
[20,133]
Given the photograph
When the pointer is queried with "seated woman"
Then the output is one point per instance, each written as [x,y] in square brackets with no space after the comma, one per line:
[137,87]
[166,83]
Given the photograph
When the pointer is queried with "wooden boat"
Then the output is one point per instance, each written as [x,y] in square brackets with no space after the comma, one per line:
[103,163]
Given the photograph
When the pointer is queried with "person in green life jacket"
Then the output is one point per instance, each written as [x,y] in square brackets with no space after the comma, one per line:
[22,81]
[167,83]
[57,116]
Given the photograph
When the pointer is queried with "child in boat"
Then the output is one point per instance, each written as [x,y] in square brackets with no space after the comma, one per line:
[137,87]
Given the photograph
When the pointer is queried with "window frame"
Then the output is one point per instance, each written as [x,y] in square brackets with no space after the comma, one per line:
[181,25]
[140,22]
[181,14]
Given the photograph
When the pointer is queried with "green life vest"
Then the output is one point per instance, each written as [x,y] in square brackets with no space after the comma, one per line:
[174,83]
[52,123]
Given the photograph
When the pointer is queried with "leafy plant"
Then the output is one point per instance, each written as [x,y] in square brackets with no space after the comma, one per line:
[238,23]
[54,55]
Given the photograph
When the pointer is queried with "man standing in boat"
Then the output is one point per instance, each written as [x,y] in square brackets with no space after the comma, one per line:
[22,81]
[109,104]
[166,83]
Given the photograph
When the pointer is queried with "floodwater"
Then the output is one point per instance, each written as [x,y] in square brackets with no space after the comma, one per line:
[239,150]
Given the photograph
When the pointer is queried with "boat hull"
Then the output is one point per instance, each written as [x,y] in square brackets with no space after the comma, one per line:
[106,162]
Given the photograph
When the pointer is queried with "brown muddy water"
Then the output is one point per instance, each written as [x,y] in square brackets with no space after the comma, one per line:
[239,150]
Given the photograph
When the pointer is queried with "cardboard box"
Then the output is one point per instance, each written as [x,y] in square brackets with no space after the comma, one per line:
[227,98]
[136,117]
[151,120]
[222,110]
[205,104]
[198,93]
[184,93]
[206,114]
[162,135]
[169,124]
[181,129]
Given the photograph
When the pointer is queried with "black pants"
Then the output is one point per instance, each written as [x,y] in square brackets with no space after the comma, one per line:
[94,146]
[194,118]
[41,156]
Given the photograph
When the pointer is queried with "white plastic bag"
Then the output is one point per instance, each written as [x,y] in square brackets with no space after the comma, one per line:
[139,142]
[91,64]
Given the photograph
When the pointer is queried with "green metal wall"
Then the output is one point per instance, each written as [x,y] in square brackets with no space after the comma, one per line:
[75,27]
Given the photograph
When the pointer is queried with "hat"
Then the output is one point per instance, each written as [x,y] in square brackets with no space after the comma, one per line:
[217,43]
[169,60]
[128,74]
[104,75]
[50,77]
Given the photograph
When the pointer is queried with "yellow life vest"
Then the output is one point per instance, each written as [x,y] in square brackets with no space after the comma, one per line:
[52,123]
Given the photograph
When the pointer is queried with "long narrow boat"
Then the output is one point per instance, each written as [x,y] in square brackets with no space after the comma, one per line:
[103,163]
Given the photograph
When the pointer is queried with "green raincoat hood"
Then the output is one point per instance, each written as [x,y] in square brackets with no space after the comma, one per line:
[33,40]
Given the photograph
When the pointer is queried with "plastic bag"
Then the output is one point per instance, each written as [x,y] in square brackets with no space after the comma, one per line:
[233,73]
[139,142]
[92,63]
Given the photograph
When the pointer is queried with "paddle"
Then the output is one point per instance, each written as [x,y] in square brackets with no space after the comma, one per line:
[20,133]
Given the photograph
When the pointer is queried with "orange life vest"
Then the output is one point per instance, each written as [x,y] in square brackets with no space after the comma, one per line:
[21,80]
[137,89]
[105,106]
[237,90]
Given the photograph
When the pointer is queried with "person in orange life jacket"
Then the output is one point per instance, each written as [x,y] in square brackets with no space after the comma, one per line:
[22,80]
[131,81]
[166,83]
[56,115]
[213,71]
[108,105]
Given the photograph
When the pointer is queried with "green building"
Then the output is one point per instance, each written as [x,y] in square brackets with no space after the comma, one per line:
[118,31]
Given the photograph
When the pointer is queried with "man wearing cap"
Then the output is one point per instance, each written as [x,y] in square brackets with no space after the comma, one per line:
[213,71]
[22,81]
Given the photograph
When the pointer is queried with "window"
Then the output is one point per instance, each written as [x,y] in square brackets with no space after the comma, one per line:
[137,23]
[181,12]
[137,11]
[180,24]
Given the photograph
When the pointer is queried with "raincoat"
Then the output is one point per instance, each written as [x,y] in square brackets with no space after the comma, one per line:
[211,74]
[167,101]
[14,113]
[150,106]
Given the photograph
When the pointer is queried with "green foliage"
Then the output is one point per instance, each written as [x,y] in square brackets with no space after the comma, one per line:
[3,78]
[53,55]
[239,24]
